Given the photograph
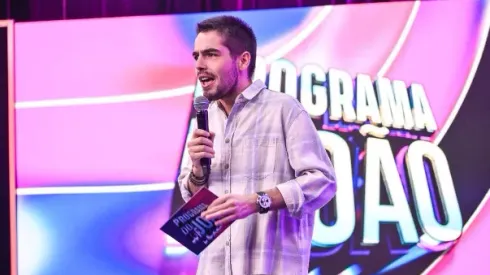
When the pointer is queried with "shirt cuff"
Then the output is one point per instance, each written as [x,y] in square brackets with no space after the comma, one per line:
[293,197]
[184,188]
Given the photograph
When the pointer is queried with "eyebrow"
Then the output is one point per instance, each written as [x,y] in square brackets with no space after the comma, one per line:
[206,51]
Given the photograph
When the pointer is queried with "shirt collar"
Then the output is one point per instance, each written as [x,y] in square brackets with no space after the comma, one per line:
[253,90]
[248,94]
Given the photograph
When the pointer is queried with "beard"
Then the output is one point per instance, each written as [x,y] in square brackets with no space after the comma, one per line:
[227,85]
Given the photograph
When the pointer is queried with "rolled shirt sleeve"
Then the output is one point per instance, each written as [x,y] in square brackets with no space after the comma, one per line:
[183,179]
[185,172]
[314,185]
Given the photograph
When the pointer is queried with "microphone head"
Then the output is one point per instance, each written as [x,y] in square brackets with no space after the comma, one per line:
[201,103]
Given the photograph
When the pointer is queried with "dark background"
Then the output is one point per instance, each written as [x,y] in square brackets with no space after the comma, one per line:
[36,10]
[464,144]
[4,157]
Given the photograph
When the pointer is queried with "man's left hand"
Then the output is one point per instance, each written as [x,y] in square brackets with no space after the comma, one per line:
[229,208]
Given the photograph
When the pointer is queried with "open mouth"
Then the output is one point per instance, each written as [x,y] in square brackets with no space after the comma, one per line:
[206,81]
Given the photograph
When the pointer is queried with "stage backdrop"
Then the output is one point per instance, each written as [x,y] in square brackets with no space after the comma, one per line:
[103,108]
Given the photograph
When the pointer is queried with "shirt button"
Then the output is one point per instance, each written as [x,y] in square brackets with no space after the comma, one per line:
[227,243]
[227,166]
[226,191]
[227,140]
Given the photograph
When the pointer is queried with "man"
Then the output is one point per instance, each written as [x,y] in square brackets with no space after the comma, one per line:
[269,167]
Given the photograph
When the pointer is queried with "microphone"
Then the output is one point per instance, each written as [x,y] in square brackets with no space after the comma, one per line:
[201,105]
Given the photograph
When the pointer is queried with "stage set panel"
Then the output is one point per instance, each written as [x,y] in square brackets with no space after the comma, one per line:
[103,108]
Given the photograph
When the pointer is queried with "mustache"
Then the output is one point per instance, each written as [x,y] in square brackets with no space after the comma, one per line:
[205,74]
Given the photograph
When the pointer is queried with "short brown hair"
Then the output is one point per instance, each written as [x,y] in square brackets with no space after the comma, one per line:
[238,36]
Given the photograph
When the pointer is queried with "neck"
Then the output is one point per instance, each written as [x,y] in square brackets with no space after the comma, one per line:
[228,101]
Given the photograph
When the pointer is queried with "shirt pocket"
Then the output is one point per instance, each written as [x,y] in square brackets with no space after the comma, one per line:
[259,154]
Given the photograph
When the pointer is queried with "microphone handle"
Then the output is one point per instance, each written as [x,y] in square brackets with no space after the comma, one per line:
[202,123]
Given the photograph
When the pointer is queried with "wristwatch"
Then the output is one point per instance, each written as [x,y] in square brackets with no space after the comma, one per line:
[263,202]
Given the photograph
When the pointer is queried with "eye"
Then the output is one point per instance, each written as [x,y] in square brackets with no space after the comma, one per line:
[212,54]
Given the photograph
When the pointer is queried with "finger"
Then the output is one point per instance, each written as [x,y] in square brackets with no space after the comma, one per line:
[226,220]
[219,201]
[200,133]
[212,135]
[217,208]
[200,141]
[196,156]
[201,148]
[219,214]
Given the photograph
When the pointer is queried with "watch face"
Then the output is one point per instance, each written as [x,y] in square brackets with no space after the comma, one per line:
[265,201]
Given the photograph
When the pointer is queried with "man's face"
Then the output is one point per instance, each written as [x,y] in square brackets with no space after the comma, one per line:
[215,67]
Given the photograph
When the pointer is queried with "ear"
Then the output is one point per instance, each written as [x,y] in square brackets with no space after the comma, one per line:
[244,61]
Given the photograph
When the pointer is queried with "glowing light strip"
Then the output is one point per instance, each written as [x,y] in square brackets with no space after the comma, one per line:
[315,271]
[354,269]
[307,31]
[304,33]
[162,186]
[465,227]
[476,62]
[176,250]
[173,247]
[469,80]
[104,99]
[401,40]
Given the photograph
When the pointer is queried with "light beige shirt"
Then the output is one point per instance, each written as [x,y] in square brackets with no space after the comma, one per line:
[267,141]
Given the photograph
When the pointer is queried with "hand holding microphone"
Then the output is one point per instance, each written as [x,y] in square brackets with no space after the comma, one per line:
[201,144]
[201,150]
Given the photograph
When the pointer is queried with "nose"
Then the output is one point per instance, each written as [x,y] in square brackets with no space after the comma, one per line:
[200,64]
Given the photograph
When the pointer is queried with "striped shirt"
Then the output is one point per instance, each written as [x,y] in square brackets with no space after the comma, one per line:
[267,141]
